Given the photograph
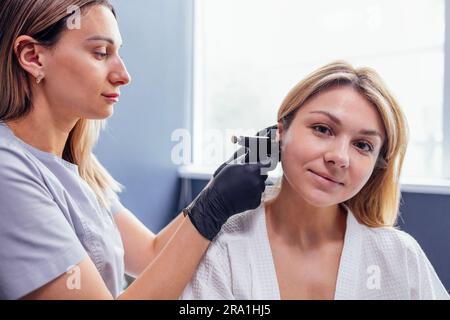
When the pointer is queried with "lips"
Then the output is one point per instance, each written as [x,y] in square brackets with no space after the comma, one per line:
[111,95]
[325,176]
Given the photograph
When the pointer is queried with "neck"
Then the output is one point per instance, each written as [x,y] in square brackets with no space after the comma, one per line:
[293,220]
[42,128]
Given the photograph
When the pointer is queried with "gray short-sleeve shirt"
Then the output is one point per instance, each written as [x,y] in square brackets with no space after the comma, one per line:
[50,220]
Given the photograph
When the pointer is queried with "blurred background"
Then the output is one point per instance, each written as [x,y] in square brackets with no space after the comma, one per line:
[205,69]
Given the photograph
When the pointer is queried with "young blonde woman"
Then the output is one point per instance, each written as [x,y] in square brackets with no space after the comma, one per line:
[64,234]
[327,231]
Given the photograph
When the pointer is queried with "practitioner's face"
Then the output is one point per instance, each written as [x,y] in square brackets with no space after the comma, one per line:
[344,151]
[81,69]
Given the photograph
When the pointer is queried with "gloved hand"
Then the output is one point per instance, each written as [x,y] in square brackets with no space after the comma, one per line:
[243,153]
[236,188]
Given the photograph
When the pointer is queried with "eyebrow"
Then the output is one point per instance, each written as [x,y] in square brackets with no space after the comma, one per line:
[102,38]
[338,122]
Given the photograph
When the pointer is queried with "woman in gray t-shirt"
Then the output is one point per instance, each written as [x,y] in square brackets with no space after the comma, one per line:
[64,233]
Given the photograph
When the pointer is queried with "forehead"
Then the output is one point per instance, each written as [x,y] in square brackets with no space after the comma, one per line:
[348,105]
[96,20]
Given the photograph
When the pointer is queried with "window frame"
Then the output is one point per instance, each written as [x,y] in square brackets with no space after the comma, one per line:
[196,171]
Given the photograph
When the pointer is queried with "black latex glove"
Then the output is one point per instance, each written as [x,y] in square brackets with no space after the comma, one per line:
[236,188]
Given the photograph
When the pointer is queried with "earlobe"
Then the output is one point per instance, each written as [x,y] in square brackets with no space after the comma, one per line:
[39,78]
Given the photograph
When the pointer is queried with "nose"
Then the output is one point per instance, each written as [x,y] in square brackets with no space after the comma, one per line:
[337,155]
[119,76]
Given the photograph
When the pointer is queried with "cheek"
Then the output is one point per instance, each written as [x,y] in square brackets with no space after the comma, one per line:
[364,175]
[298,155]
[359,176]
[75,82]
[297,152]
[76,72]
[84,76]
[300,148]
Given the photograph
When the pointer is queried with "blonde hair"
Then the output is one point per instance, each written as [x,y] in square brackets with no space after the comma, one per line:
[45,21]
[377,203]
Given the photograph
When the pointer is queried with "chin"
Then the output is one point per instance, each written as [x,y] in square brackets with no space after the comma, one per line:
[101,116]
[317,197]
[106,116]
[98,117]
[321,202]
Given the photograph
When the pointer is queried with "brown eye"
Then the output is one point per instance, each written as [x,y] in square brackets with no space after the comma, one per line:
[320,129]
[365,144]
[101,55]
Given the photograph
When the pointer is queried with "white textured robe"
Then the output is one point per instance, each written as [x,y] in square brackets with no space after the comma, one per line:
[376,263]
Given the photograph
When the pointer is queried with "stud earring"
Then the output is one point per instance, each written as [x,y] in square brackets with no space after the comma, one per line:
[39,78]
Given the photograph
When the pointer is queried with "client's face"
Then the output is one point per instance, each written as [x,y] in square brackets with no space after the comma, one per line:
[330,149]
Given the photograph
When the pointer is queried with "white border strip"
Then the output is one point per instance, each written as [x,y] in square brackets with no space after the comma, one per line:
[446,95]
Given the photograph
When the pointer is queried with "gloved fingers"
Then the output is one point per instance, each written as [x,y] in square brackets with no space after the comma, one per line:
[262,184]
[267,132]
[239,157]
[255,203]
[266,165]
[258,169]
[223,165]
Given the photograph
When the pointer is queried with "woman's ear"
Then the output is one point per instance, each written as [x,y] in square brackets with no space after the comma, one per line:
[280,132]
[29,55]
